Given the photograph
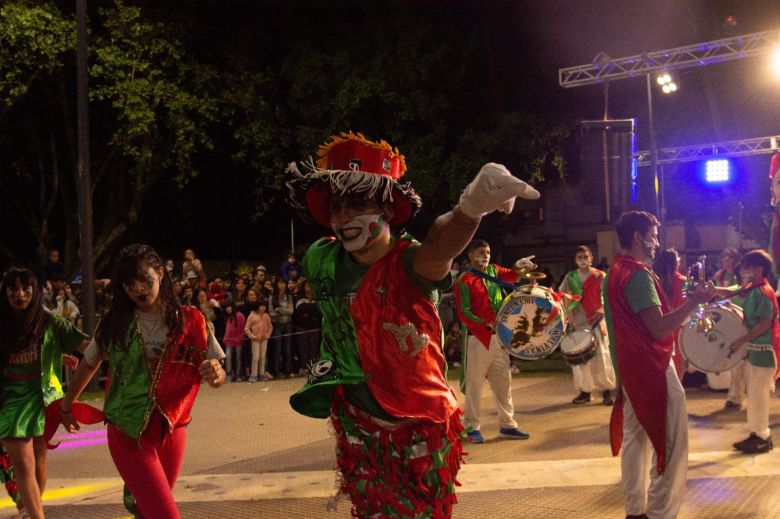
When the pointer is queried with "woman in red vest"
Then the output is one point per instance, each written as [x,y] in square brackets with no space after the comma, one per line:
[158,353]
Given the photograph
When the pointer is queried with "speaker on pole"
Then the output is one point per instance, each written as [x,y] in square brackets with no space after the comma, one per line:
[607,150]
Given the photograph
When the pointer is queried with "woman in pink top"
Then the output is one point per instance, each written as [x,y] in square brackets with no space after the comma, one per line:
[259,328]
[234,342]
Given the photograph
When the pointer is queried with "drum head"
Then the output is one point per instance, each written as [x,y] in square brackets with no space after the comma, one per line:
[530,323]
[708,351]
[579,346]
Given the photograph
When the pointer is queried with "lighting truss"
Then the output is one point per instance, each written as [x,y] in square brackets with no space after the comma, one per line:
[605,68]
[740,148]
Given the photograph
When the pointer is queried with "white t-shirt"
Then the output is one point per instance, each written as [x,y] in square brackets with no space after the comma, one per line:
[155,335]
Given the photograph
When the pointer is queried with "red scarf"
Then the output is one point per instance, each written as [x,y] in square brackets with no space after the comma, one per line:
[641,361]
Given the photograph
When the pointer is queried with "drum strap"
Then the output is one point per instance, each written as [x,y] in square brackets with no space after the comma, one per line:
[499,282]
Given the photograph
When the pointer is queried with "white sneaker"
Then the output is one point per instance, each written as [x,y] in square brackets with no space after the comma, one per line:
[24,514]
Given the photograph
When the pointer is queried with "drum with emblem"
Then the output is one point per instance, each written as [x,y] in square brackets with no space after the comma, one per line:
[530,323]
[709,351]
[579,346]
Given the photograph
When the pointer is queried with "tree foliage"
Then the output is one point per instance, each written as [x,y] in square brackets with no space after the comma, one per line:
[177,93]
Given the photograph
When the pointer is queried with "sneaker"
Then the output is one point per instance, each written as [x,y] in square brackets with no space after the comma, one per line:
[476,437]
[456,364]
[754,444]
[514,370]
[264,378]
[731,405]
[513,433]
[252,380]
[268,376]
[608,400]
[581,398]
[24,514]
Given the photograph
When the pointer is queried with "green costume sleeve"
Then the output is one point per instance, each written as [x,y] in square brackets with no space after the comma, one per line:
[68,336]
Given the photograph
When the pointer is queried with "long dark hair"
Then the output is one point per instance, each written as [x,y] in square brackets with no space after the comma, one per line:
[20,331]
[665,265]
[131,265]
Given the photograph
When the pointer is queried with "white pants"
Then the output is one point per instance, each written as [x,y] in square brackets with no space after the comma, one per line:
[647,492]
[758,383]
[597,374]
[493,363]
[738,384]
[259,349]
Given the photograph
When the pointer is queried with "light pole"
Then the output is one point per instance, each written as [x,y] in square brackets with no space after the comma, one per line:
[653,146]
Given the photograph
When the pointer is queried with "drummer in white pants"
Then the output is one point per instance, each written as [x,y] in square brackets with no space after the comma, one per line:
[478,298]
[586,308]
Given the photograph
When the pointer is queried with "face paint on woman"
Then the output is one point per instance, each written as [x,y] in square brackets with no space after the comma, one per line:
[360,232]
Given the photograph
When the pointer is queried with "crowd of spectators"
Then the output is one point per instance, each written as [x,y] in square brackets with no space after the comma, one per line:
[267,322]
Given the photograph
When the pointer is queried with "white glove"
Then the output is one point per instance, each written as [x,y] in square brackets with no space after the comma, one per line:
[493,188]
[526,263]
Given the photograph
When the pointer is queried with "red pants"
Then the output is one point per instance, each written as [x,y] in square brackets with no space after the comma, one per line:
[150,471]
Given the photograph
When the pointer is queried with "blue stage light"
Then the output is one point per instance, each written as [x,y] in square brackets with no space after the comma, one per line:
[717,171]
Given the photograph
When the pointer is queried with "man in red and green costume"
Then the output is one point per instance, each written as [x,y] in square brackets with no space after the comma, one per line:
[583,286]
[381,374]
[478,298]
[760,346]
[649,418]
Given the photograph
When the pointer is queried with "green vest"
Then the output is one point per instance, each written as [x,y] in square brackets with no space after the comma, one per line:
[127,403]
[339,360]
[59,337]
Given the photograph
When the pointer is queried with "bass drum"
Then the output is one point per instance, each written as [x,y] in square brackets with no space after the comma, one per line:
[708,351]
[530,323]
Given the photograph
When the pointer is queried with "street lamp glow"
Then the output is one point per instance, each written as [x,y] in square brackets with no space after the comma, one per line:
[664,79]
[776,62]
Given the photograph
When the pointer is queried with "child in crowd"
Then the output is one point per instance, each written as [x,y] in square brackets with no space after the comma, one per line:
[259,328]
[281,307]
[762,342]
[234,342]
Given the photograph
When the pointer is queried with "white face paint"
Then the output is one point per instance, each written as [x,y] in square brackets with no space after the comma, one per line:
[583,263]
[359,232]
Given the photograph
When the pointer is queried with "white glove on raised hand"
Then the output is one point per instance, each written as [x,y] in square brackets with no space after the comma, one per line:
[526,263]
[493,188]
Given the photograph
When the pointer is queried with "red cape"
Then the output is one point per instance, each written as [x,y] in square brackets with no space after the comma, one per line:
[641,361]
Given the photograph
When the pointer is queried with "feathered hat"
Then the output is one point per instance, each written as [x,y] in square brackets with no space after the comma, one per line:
[349,164]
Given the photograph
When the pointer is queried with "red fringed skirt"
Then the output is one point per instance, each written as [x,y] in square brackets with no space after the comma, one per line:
[406,469]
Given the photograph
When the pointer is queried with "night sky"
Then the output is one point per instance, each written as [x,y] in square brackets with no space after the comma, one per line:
[535,38]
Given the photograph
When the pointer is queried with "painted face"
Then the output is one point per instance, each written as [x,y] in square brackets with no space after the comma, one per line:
[19,297]
[357,223]
[480,257]
[649,243]
[144,292]
[360,232]
[583,260]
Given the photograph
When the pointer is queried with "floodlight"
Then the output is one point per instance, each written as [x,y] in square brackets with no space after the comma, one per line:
[717,171]
[776,61]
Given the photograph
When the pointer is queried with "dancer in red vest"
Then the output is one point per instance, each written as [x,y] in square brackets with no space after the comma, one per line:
[158,353]
[649,418]
[587,309]
[381,373]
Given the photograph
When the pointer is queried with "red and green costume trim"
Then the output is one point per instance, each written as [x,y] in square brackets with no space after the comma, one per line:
[170,385]
[641,360]
[478,300]
[589,292]
[403,470]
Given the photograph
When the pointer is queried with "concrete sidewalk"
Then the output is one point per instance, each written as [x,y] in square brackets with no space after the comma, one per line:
[249,455]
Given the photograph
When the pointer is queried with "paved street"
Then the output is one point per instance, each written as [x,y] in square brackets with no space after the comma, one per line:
[250,455]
